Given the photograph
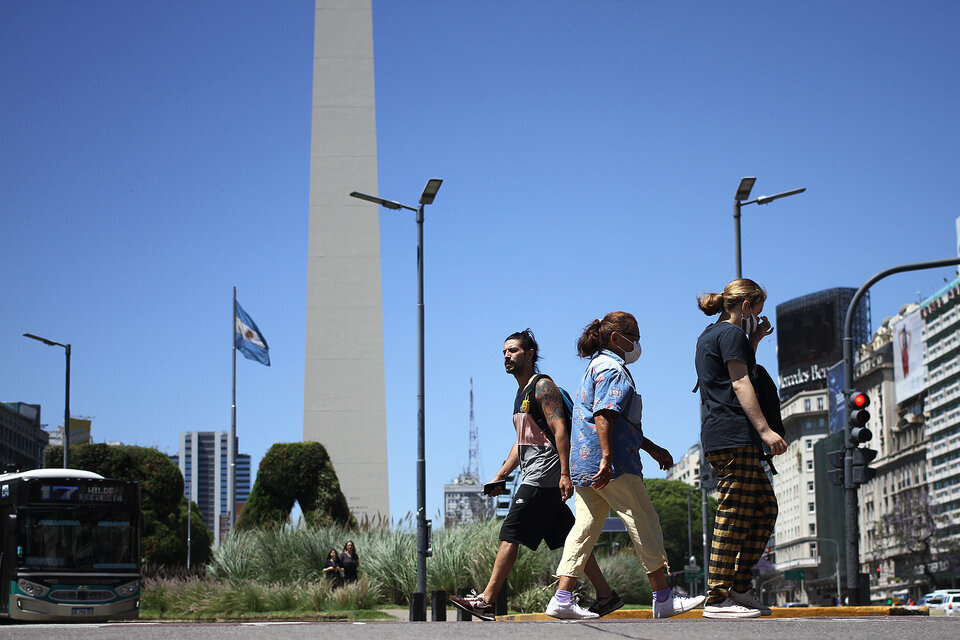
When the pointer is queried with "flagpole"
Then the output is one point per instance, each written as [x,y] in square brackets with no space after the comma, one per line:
[232,445]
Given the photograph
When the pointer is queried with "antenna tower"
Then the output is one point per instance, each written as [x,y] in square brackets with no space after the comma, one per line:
[473,461]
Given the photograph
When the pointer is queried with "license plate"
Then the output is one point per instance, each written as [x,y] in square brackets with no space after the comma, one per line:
[83,611]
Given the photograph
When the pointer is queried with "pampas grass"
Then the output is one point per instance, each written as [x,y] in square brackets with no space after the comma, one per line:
[279,569]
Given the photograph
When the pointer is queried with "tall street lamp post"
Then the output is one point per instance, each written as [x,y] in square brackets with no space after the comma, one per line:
[740,199]
[427,197]
[66,402]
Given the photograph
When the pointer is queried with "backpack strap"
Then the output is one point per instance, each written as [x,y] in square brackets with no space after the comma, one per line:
[535,409]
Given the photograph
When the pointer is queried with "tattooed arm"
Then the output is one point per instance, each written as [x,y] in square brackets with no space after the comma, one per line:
[551,403]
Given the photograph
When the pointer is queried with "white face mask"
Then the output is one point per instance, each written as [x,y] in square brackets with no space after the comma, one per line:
[629,357]
[749,324]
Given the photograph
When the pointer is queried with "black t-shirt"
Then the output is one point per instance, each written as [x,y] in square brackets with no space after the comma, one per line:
[723,423]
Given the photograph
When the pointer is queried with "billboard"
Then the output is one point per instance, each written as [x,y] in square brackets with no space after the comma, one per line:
[810,336]
[909,372]
[838,407]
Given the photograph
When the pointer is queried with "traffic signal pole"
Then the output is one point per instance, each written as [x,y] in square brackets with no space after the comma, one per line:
[851,507]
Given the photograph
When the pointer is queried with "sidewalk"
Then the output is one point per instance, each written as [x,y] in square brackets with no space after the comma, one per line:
[778,612]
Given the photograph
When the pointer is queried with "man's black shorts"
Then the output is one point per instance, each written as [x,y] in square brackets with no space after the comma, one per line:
[537,513]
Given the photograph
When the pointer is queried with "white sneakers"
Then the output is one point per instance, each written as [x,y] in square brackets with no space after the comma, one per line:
[729,609]
[568,610]
[675,605]
[748,600]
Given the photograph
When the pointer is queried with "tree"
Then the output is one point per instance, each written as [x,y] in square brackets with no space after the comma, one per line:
[669,498]
[295,472]
[916,536]
[164,507]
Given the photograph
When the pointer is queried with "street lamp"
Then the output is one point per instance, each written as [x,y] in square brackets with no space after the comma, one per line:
[66,403]
[743,192]
[427,197]
[837,569]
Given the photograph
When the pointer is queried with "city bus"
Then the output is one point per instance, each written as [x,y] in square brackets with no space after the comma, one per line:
[69,546]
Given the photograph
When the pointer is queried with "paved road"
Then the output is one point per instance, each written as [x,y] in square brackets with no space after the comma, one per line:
[937,628]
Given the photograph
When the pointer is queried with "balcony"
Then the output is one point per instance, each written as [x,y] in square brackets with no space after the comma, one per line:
[942,396]
[797,563]
[941,471]
[949,320]
[944,420]
[941,348]
[943,370]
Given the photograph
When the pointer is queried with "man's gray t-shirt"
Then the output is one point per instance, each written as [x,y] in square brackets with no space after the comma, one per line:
[539,461]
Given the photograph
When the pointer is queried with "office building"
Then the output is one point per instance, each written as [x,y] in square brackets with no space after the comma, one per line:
[941,408]
[798,547]
[22,440]
[203,460]
[80,432]
[464,502]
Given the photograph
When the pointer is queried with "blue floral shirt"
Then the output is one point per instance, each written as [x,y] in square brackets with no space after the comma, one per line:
[606,384]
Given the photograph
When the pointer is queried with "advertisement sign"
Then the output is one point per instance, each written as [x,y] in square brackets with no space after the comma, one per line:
[810,337]
[838,409]
[909,372]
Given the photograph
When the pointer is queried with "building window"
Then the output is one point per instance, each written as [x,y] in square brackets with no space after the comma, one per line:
[806,404]
[810,487]
[820,404]
[811,507]
[809,465]
[813,529]
[813,549]
[809,443]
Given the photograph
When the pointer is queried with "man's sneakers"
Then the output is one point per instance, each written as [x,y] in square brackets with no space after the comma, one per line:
[675,605]
[728,609]
[569,610]
[475,605]
[748,600]
[609,604]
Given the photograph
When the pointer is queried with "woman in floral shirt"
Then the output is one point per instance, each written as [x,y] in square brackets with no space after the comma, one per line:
[605,466]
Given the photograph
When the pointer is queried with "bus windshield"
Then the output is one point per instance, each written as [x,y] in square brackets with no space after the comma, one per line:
[76,538]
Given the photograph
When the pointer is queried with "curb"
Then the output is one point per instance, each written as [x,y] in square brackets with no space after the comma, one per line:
[778,612]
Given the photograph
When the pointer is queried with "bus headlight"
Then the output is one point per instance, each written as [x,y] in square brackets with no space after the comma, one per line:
[32,588]
[128,589]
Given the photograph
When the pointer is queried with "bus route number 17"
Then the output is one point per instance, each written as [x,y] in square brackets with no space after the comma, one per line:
[58,492]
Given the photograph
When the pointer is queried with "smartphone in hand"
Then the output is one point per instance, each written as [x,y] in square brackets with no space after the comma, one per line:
[489,488]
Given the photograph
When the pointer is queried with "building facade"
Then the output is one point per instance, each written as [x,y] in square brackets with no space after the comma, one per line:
[22,440]
[80,432]
[796,534]
[344,326]
[941,356]
[464,501]
[203,460]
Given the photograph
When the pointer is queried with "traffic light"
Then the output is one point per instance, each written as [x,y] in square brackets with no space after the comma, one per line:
[862,456]
[836,460]
[857,403]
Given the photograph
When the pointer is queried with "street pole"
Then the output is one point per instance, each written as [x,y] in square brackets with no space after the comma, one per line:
[703,515]
[736,227]
[423,527]
[66,413]
[690,535]
[851,506]
[740,199]
[837,546]
[66,400]
[421,449]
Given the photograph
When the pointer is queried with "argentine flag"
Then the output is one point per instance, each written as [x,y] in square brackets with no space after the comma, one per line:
[248,339]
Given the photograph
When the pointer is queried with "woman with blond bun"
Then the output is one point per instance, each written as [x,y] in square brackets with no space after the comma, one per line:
[606,438]
[733,433]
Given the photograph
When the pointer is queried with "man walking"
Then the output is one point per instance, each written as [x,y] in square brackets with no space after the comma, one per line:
[538,512]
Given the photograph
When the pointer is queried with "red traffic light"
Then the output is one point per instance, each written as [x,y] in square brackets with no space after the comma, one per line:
[860,400]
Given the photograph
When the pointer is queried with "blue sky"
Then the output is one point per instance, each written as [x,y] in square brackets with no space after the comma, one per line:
[155,154]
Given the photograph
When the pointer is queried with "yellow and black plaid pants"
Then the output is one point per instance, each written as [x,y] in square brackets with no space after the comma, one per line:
[746,514]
